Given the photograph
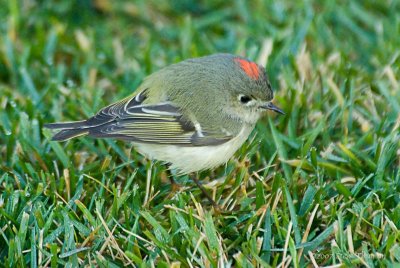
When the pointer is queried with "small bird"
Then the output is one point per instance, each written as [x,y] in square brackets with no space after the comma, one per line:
[193,114]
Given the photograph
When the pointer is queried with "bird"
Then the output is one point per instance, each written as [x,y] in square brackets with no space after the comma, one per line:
[193,115]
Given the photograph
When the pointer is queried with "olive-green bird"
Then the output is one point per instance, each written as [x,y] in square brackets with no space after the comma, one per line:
[193,115]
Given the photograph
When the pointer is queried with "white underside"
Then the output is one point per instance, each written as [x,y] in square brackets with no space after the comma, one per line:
[192,159]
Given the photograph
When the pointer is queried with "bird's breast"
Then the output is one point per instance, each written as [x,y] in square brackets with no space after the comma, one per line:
[187,159]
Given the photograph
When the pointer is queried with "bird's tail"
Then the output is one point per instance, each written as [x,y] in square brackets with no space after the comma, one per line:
[69,130]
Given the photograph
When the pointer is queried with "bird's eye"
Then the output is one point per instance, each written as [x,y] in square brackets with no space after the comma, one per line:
[244,99]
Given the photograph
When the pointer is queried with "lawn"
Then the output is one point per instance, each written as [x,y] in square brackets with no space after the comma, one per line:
[318,186]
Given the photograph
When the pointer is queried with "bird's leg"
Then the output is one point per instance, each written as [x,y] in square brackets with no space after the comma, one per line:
[203,190]
[174,185]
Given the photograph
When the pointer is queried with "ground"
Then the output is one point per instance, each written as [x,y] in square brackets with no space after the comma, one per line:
[318,186]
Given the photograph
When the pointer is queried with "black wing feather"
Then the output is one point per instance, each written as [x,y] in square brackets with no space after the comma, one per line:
[132,120]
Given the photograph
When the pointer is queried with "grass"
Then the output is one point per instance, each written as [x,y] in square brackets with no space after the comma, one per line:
[319,186]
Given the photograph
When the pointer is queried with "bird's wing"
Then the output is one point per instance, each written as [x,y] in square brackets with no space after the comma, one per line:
[133,120]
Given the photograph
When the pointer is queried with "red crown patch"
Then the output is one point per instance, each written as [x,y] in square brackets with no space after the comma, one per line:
[250,68]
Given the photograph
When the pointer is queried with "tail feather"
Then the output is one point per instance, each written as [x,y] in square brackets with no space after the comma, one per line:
[67,134]
[68,130]
[66,125]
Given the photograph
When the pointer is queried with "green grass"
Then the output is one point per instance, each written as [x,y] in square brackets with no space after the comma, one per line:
[317,186]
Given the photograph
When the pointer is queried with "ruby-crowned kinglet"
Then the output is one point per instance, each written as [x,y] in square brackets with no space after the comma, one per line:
[193,115]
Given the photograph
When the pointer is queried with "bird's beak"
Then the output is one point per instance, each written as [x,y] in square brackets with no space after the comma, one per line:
[272,107]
